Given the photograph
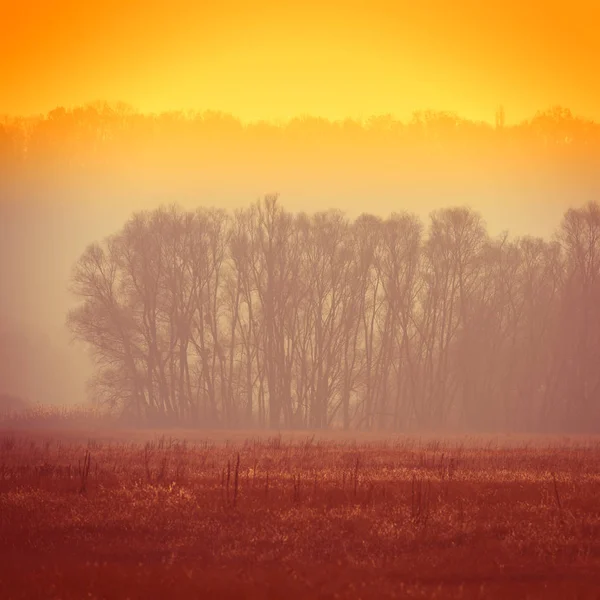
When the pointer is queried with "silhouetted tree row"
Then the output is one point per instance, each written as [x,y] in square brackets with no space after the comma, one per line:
[266,318]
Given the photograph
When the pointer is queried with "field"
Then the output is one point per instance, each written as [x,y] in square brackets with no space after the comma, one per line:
[181,514]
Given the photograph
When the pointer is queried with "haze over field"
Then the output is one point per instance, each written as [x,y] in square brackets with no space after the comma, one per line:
[75,176]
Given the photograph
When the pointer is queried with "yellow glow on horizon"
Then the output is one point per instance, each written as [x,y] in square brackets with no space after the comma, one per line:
[274,60]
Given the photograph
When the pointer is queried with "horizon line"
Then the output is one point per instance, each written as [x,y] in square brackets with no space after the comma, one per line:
[278,121]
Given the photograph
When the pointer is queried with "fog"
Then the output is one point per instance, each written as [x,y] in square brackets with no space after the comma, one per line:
[75,177]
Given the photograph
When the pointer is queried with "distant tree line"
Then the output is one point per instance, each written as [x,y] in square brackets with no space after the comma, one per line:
[266,318]
[111,151]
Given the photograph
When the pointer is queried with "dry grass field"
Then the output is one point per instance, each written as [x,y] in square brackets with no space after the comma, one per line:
[181,514]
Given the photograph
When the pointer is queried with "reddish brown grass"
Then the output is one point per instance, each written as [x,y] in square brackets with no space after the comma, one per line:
[298,517]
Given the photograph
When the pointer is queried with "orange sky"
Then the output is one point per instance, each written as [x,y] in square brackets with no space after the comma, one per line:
[276,59]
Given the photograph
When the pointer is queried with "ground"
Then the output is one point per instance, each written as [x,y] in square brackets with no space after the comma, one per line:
[184,514]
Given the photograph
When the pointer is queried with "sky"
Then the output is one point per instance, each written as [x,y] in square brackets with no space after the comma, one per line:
[274,59]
